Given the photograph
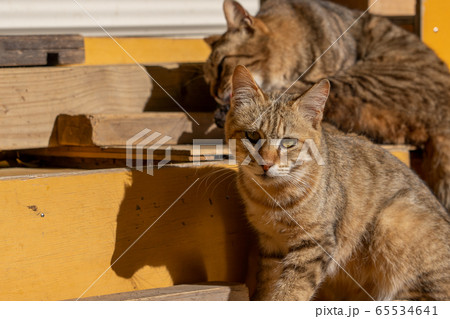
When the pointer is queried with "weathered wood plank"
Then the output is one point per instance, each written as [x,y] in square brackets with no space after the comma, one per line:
[108,157]
[198,292]
[31,98]
[60,232]
[115,129]
[178,153]
[41,50]
[393,8]
[382,7]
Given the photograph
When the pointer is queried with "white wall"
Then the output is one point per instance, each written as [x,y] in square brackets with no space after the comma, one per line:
[119,17]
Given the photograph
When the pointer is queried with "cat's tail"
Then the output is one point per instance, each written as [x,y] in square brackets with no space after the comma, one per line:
[436,166]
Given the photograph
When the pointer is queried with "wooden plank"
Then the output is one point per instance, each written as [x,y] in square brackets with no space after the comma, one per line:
[10,172]
[199,292]
[60,232]
[31,98]
[382,7]
[436,27]
[108,157]
[115,129]
[393,8]
[104,51]
[41,50]
[178,153]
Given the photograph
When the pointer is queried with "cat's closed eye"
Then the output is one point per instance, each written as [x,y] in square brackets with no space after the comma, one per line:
[288,142]
[253,137]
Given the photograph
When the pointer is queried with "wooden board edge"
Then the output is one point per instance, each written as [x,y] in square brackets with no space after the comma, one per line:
[198,292]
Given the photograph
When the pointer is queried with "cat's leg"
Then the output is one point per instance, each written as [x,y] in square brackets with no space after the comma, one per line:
[410,253]
[303,269]
[270,268]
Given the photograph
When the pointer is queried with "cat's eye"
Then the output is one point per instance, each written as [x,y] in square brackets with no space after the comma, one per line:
[288,142]
[253,137]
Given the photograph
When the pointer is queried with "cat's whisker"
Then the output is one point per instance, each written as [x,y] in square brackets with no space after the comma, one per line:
[223,174]
[224,178]
[206,177]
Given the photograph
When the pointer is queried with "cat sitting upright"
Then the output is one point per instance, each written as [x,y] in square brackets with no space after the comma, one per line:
[357,217]
[386,83]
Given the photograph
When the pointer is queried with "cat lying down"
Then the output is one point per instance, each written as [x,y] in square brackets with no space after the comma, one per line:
[385,83]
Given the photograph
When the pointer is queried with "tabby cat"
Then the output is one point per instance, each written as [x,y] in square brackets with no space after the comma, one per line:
[355,206]
[386,84]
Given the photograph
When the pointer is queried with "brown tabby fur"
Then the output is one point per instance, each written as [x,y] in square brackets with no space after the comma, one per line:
[367,210]
[386,84]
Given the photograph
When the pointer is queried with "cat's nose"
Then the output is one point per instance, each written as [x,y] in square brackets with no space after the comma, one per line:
[266,167]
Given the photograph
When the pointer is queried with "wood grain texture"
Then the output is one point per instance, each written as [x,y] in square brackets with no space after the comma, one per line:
[115,129]
[382,7]
[198,292]
[31,98]
[178,153]
[393,8]
[60,232]
[41,50]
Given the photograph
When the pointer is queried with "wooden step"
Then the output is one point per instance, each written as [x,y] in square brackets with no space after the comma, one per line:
[60,232]
[31,98]
[199,292]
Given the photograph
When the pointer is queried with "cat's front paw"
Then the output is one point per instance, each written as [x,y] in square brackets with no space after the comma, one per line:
[284,296]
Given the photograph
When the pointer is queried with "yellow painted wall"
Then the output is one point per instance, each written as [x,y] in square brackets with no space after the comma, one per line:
[102,51]
[436,14]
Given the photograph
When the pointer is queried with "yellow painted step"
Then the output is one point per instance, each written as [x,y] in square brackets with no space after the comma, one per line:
[61,232]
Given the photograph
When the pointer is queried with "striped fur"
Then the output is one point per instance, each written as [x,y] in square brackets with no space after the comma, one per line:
[385,83]
[363,209]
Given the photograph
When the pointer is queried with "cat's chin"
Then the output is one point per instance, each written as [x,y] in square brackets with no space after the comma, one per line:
[266,179]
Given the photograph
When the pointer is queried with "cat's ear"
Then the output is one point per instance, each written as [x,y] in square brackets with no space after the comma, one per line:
[236,15]
[312,103]
[244,88]
[212,39]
